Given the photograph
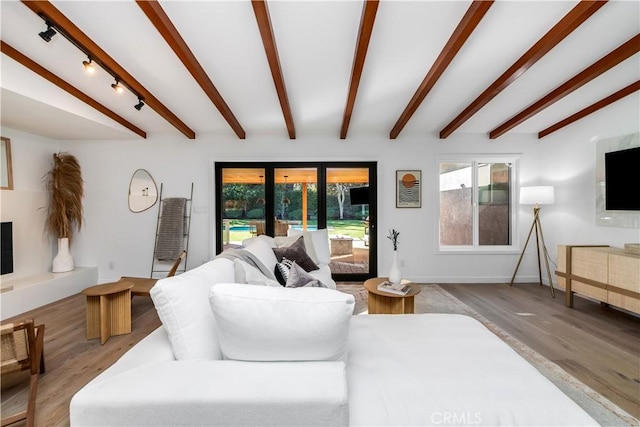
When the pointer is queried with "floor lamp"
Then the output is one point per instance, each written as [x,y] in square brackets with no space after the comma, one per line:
[536,195]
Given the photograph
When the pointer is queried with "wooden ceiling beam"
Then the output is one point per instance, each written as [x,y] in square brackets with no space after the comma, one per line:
[261,10]
[67,87]
[467,24]
[572,20]
[169,32]
[613,58]
[369,9]
[616,96]
[48,11]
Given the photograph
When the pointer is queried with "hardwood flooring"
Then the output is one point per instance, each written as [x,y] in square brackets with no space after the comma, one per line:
[597,345]
[71,360]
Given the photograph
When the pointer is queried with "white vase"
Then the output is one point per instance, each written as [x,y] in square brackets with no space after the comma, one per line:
[63,261]
[394,272]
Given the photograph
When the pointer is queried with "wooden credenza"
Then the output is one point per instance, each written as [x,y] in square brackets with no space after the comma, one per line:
[607,274]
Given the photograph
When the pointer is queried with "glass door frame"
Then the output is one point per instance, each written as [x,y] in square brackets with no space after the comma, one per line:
[269,189]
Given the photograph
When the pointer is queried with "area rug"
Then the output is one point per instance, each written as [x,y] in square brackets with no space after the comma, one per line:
[434,299]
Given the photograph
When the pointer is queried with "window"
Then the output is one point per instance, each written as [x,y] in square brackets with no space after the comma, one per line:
[477,203]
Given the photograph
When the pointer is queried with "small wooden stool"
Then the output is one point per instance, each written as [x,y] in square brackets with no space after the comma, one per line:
[108,310]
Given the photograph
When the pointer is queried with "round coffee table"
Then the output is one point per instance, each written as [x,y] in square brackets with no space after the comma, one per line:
[381,302]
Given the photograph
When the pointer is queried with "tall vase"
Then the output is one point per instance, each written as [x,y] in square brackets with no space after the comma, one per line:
[394,272]
[63,261]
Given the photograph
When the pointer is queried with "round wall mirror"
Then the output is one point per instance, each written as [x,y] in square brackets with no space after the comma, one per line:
[143,192]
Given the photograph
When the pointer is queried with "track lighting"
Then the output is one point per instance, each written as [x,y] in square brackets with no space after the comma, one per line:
[50,32]
[139,105]
[117,87]
[88,66]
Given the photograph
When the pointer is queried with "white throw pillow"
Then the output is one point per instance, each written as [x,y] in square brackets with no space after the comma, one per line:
[182,303]
[259,323]
[263,251]
[319,240]
[246,273]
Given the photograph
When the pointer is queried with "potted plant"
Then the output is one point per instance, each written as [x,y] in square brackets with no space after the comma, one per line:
[66,189]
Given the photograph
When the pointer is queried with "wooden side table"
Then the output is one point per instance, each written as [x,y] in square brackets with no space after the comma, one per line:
[381,302]
[108,310]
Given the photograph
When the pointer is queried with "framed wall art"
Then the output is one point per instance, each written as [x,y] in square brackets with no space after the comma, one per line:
[6,175]
[408,189]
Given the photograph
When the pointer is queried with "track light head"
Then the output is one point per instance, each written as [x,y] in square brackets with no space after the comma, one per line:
[139,105]
[117,87]
[88,66]
[50,32]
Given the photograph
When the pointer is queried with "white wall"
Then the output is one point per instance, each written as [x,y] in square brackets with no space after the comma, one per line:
[25,205]
[114,236]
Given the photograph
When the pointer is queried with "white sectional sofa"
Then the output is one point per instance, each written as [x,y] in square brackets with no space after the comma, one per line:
[239,354]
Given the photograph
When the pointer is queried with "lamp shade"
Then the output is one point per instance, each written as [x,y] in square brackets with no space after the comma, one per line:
[537,195]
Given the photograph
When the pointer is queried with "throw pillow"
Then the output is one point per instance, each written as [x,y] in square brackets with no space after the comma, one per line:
[297,278]
[182,305]
[261,248]
[248,274]
[282,270]
[296,252]
[259,323]
[282,241]
[319,239]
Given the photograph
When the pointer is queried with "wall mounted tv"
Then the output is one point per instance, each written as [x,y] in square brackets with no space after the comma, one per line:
[359,195]
[622,180]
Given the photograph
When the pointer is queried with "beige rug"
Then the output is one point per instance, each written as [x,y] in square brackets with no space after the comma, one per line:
[434,299]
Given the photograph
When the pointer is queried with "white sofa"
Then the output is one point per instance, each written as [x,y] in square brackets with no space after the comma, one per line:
[301,358]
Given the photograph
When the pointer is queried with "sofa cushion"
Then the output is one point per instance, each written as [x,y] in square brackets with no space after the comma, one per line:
[246,273]
[320,241]
[259,323]
[283,241]
[182,303]
[297,278]
[282,270]
[296,252]
[261,248]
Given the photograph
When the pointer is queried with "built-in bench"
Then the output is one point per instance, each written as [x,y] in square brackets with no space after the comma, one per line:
[25,293]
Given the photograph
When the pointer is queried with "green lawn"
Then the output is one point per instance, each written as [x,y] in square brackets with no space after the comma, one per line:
[347,227]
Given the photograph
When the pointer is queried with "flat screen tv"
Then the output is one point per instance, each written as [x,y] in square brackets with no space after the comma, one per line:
[622,180]
[359,195]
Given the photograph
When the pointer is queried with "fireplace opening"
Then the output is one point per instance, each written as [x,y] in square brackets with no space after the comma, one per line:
[6,247]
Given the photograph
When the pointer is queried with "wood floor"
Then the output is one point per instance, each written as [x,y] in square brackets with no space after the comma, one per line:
[597,345]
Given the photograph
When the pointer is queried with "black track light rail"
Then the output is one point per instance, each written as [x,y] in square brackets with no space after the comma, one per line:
[64,34]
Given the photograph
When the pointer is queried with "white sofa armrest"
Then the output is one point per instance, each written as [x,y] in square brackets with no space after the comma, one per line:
[197,392]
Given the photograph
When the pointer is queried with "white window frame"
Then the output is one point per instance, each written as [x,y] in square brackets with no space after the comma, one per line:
[476,159]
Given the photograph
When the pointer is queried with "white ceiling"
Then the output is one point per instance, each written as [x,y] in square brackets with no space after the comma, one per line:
[316,42]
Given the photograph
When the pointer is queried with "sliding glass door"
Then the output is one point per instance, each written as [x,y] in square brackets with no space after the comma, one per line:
[272,198]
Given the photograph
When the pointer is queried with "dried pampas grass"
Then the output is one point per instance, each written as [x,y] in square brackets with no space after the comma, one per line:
[66,189]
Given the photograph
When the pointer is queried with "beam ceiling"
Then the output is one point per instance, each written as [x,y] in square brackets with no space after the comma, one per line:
[572,20]
[616,96]
[67,87]
[369,9]
[169,32]
[626,50]
[48,11]
[261,10]
[468,23]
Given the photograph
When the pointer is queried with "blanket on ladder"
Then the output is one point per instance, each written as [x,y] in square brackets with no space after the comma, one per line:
[171,229]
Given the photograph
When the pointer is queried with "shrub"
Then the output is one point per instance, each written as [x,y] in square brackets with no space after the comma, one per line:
[255,213]
[233,213]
